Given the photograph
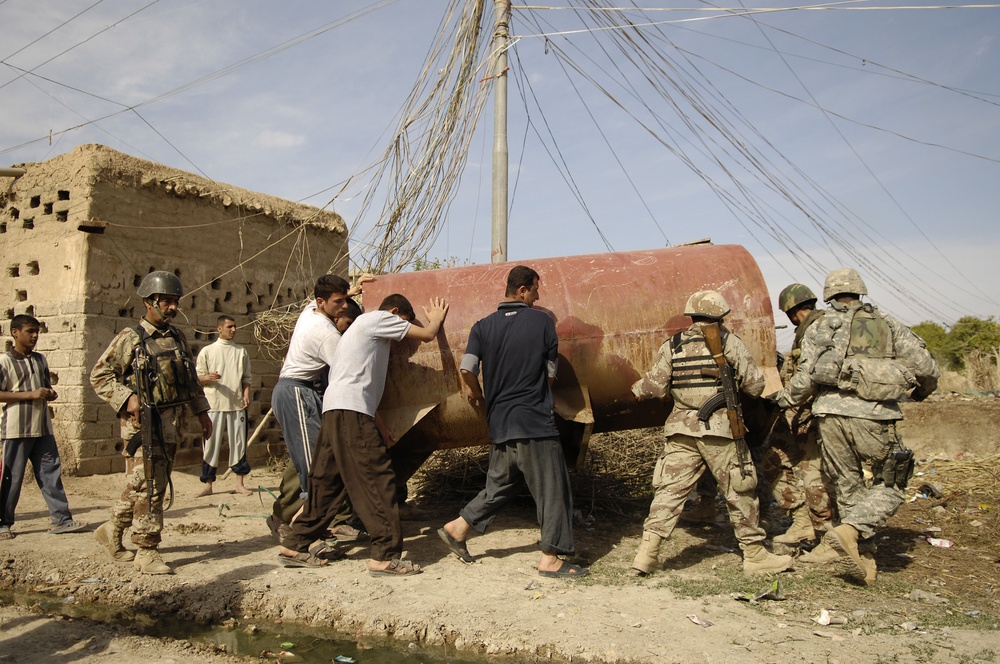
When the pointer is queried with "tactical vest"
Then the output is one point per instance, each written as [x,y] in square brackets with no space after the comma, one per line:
[861,359]
[165,376]
[689,356]
[796,352]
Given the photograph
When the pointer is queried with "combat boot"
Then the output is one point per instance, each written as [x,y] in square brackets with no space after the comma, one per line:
[758,560]
[110,537]
[871,570]
[801,529]
[822,554]
[148,561]
[844,538]
[647,558]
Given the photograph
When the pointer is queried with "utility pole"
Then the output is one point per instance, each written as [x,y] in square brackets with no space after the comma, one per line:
[501,35]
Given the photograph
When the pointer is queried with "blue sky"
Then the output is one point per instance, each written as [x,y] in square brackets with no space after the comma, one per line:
[886,122]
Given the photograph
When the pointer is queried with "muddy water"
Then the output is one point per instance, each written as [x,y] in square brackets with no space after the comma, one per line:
[283,643]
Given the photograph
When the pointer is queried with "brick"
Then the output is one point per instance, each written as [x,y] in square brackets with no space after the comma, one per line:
[101,466]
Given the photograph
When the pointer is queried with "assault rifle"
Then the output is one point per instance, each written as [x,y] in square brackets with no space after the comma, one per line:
[150,427]
[728,397]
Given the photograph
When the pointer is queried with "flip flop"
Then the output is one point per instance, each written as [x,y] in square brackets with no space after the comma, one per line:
[458,548]
[565,571]
[397,568]
[71,527]
[6,534]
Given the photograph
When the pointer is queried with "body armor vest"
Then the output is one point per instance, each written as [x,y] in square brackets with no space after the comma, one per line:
[163,372]
[690,387]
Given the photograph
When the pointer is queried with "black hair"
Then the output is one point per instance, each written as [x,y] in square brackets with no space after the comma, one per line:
[20,320]
[223,318]
[521,275]
[399,303]
[329,284]
[353,310]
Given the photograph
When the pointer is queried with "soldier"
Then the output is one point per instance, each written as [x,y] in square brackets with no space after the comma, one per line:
[116,379]
[792,460]
[856,363]
[692,445]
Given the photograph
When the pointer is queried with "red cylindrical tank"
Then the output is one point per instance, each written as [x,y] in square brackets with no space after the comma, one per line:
[612,312]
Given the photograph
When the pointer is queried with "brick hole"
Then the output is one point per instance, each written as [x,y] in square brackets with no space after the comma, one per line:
[136,280]
[22,296]
[249,288]
[3,226]
[260,299]
[42,327]
[178,273]
[28,224]
[198,335]
[216,284]
[249,308]
[289,293]
[63,195]
[227,297]
[194,302]
[280,300]
[15,213]
[123,312]
[30,310]
[9,314]
[47,208]
[218,306]
[119,446]
[256,395]
[32,267]
[270,289]
[62,215]
[14,271]
[36,201]
[53,377]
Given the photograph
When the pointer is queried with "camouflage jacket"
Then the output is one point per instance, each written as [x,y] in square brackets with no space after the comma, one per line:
[656,383]
[908,348]
[113,372]
[799,417]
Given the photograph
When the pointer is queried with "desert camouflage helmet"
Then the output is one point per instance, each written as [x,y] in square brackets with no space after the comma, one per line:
[793,295]
[707,304]
[160,283]
[843,280]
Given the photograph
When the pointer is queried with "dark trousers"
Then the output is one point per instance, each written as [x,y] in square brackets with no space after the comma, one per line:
[351,461]
[47,468]
[543,467]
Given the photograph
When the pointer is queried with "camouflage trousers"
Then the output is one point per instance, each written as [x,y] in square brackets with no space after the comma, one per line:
[684,460]
[850,444]
[791,469]
[133,509]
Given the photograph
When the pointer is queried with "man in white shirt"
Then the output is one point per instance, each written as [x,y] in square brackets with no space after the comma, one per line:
[224,372]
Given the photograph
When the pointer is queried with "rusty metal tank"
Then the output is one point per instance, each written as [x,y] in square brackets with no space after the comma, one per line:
[612,312]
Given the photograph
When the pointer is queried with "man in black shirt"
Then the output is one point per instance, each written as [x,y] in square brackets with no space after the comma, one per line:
[518,349]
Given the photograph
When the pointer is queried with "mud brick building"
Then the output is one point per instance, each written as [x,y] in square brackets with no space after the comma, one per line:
[78,233]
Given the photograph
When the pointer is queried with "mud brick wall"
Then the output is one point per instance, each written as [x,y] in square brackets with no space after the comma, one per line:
[79,232]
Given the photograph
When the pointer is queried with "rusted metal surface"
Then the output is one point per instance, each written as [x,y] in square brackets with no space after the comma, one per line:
[612,313]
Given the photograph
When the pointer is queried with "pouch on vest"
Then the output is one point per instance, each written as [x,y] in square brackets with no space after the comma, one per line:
[871,369]
[829,359]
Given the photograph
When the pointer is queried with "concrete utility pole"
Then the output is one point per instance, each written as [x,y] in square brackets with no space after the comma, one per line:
[500,38]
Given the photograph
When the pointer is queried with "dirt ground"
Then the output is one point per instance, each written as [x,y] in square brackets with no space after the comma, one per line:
[931,604]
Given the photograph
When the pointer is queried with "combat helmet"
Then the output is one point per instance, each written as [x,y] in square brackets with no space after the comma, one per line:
[793,295]
[707,304]
[843,280]
[160,282]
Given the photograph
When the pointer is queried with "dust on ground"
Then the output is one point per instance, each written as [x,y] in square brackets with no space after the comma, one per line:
[931,604]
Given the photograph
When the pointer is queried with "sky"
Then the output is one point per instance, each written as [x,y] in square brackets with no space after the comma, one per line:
[859,134]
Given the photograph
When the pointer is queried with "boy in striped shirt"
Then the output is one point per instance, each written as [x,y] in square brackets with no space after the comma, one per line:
[26,431]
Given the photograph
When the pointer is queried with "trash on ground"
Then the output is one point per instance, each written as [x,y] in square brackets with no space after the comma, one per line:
[972,613]
[829,635]
[698,621]
[824,618]
[931,490]
[909,626]
[940,543]
[344,659]
[773,590]
[286,656]
[923,596]
[716,547]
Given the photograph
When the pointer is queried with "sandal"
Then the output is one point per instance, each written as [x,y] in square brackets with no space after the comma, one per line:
[70,527]
[565,571]
[318,555]
[397,567]
[346,534]
[457,547]
[6,534]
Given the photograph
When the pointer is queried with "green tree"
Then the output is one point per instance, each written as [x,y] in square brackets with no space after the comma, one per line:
[936,338]
[970,334]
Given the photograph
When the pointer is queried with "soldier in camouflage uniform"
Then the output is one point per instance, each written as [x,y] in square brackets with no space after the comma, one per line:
[176,383]
[856,363]
[693,445]
[791,463]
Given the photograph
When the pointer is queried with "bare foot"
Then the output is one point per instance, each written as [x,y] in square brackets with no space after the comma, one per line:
[243,491]
[207,491]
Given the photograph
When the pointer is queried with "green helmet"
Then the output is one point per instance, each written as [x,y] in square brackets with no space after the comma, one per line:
[793,295]
[160,282]
[843,280]
[707,304]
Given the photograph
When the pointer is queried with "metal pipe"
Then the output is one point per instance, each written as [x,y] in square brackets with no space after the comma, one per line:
[12,172]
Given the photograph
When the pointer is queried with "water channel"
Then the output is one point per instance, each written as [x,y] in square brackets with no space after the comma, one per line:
[298,643]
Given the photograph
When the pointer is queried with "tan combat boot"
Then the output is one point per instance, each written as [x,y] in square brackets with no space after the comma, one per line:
[148,561]
[646,558]
[758,560]
[871,570]
[801,529]
[110,537]
[822,554]
[844,538]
